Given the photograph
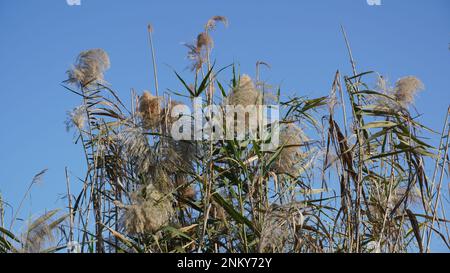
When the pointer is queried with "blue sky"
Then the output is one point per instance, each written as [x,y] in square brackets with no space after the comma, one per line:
[300,39]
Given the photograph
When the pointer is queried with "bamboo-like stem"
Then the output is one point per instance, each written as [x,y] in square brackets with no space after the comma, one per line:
[69,197]
[155,70]
[20,205]
[352,61]
[439,186]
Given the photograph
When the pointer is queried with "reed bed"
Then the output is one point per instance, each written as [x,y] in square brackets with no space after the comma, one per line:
[353,173]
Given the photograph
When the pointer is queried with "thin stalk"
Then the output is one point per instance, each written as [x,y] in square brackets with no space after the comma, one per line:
[155,73]
[69,197]
[438,194]
[436,166]
[349,51]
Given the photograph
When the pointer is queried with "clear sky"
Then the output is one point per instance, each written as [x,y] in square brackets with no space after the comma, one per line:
[300,39]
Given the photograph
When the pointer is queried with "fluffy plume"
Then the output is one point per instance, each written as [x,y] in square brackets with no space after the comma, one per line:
[195,55]
[76,118]
[402,95]
[150,110]
[382,202]
[245,93]
[197,50]
[136,148]
[181,154]
[150,210]
[387,103]
[212,22]
[160,179]
[204,40]
[278,227]
[291,138]
[406,89]
[40,233]
[89,68]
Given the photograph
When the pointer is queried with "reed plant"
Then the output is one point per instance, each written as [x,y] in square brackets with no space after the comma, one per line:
[351,174]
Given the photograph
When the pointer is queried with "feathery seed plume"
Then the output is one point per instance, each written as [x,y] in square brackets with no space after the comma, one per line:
[150,210]
[212,22]
[245,93]
[89,68]
[291,138]
[150,110]
[77,117]
[406,89]
[204,40]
